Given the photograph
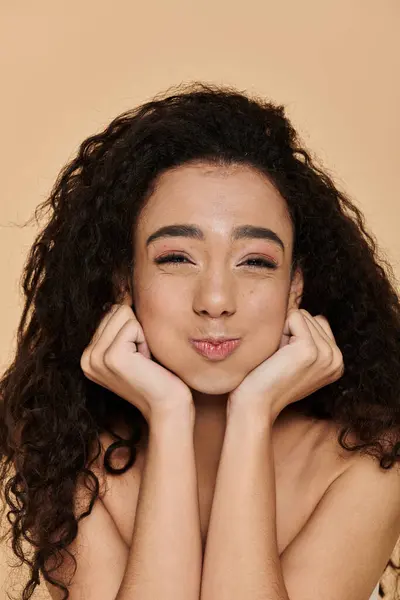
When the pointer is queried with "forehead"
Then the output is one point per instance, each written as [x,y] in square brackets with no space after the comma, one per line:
[216,198]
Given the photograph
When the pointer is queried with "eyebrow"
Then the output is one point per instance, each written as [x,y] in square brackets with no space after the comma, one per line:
[194,232]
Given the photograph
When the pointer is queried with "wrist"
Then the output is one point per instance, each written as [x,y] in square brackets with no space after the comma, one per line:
[180,412]
[257,409]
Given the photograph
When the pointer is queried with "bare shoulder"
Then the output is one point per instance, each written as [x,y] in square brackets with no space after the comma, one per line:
[363,477]
[314,441]
[99,549]
[363,460]
[357,515]
[119,492]
[118,459]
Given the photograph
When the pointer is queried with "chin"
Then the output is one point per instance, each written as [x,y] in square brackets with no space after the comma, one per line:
[212,389]
[212,383]
[214,378]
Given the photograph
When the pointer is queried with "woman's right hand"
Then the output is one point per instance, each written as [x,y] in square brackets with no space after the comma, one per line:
[118,358]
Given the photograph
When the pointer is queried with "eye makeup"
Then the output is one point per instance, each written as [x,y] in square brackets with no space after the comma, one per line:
[176,259]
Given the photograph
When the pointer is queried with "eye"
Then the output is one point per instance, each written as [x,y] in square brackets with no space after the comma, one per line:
[170,258]
[262,262]
[175,258]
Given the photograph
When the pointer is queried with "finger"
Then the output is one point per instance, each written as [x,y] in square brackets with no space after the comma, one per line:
[296,326]
[316,323]
[338,356]
[323,321]
[319,321]
[113,327]
[131,333]
[103,324]
[86,358]
[108,329]
[126,301]
[321,340]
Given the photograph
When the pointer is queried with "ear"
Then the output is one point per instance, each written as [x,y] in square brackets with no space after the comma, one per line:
[296,289]
[122,285]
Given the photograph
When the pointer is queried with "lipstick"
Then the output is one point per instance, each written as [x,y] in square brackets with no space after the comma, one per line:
[215,351]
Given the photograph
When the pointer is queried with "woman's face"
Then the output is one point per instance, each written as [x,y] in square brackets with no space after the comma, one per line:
[218,285]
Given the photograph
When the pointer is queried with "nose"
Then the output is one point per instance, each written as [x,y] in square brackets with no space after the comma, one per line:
[215,294]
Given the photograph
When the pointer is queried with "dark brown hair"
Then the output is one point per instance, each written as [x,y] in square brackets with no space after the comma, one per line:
[51,415]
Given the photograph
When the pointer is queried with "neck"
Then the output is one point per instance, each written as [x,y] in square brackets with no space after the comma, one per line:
[209,427]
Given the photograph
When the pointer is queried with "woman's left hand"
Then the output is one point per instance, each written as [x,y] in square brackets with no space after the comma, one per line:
[307,359]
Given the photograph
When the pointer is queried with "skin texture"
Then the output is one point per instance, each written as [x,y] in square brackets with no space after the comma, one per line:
[213,290]
[53,416]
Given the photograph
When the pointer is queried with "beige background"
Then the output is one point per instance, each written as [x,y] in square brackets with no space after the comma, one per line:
[67,68]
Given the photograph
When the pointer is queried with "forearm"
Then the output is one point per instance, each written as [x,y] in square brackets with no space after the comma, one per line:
[241,558]
[165,557]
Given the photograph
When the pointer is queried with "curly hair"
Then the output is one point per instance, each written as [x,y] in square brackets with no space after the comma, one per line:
[51,415]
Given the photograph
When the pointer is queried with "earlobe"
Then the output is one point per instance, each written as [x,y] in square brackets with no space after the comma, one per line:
[296,290]
[298,300]
[294,302]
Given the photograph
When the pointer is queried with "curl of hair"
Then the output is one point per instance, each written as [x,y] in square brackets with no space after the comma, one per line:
[51,415]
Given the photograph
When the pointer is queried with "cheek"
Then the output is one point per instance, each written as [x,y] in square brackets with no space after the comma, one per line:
[266,319]
[151,300]
[267,304]
[151,311]
[160,319]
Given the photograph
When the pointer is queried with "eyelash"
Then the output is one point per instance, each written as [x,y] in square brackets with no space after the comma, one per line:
[263,263]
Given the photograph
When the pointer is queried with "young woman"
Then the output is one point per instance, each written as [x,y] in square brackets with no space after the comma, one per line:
[204,401]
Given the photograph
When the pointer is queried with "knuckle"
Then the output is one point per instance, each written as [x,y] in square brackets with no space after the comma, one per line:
[96,360]
[337,357]
[111,357]
[84,361]
[341,368]
[131,322]
[86,365]
[321,318]
[111,311]
[126,309]
[310,353]
[336,375]
[327,355]
[338,353]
